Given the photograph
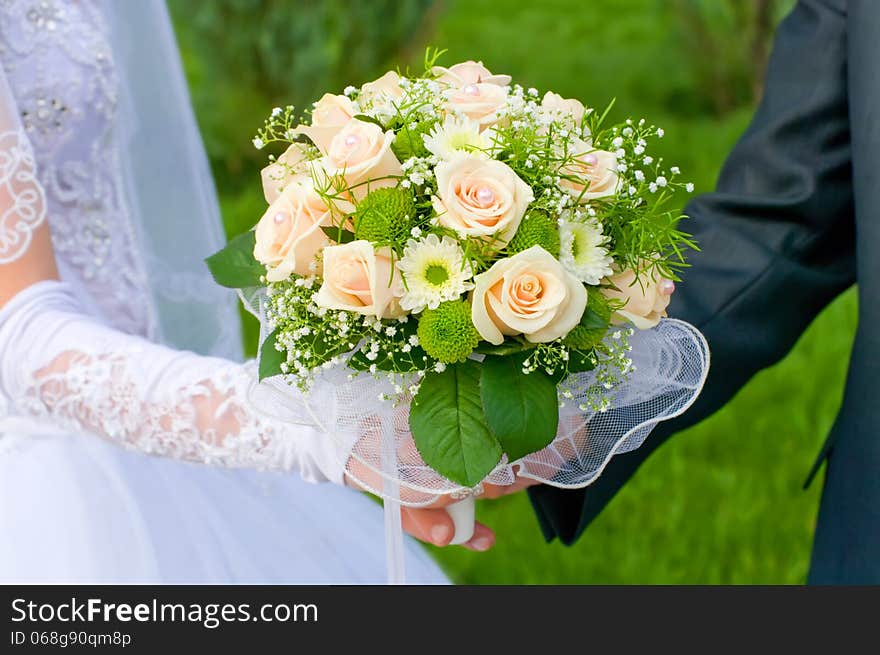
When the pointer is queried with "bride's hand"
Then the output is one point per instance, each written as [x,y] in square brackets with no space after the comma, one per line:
[433,525]
[430,523]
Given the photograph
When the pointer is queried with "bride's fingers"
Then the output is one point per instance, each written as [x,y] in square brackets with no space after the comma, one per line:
[483,539]
[434,526]
[431,525]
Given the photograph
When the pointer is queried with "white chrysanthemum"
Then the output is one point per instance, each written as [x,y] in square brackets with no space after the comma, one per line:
[435,271]
[583,252]
[454,136]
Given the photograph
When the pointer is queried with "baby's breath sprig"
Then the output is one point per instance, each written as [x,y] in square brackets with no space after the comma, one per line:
[315,338]
[311,337]
[278,127]
[612,365]
[640,219]
[419,174]
[392,346]
[550,358]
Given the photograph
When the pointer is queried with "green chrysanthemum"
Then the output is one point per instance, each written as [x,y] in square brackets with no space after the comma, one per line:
[583,337]
[385,216]
[447,333]
[536,229]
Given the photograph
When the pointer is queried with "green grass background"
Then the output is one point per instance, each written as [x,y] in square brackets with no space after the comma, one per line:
[722,502]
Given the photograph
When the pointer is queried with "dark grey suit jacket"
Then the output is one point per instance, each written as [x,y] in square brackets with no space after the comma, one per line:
[794,222]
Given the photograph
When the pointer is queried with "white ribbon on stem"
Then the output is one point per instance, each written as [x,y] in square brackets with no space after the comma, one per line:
[394,550]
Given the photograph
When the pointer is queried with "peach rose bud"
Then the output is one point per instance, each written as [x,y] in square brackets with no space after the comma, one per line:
[529,294]
[332,111]
[288,167]
[360,152]
[468,72]
[646,299]
[596,170]
[360,279]
[386,87]
[477,197]
[479,102]
[571,106]
[329,115]
[289,235]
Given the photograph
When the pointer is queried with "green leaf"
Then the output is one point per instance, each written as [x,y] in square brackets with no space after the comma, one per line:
[580,361]
[271,358]
[589,332]
[369,119]
[506,348]
[522,410]
[235,266]
[338,234]
[592,320]
[449,427]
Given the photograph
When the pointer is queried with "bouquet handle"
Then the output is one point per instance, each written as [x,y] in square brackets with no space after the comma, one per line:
[462,515]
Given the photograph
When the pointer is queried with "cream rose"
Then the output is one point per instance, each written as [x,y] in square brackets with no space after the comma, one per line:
[359,152]
[289,235]
[288,167]
[386,87]
[477,197]
[468,72]
[646,299]
[479,102]
[555,102]
[529,294]
[596,171]
[360,279]
[332,111]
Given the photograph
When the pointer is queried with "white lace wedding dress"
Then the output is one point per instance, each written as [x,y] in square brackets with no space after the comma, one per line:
[99,371]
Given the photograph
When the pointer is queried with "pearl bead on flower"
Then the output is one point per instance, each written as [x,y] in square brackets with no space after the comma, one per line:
[485,195]
[352,140]
[472,90]
[280,217]
[667,287]
[591,159]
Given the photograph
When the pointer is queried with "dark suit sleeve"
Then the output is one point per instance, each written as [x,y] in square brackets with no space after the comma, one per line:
[777,239]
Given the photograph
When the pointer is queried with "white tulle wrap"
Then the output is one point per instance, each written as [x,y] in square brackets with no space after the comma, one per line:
[670,364]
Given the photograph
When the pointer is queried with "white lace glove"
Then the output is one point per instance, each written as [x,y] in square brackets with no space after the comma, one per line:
[60,365]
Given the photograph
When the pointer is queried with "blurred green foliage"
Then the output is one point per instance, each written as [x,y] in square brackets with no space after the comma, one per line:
[726,42]
[246,56]
[720,503]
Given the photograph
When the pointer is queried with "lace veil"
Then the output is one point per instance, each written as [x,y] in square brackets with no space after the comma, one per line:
[166,196]
[171,193]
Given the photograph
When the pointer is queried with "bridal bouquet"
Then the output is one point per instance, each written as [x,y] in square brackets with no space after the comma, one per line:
[487,265]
